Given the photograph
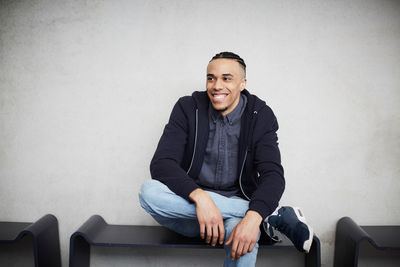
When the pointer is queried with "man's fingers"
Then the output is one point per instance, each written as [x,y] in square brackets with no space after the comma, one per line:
[245,249]
[208,234]
[230,238]
[234,249]
[251,247]
[239,250]
[214,235]
[221,233]
[202,230]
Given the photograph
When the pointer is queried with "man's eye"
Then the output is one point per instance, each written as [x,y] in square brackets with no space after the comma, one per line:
[209,78]
[227,79]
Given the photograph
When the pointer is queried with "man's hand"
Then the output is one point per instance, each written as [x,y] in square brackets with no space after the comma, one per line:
[245,234]
[209,217]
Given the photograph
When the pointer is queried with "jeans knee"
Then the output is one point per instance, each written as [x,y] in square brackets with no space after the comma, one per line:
[148,193]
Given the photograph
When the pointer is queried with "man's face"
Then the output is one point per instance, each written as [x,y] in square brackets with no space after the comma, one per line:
[225,81]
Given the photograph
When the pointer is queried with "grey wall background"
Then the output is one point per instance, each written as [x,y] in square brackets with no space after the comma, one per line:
[87,86]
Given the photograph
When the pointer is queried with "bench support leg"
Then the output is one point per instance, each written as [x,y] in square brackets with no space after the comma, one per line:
[313,258]
[47,248]
[348,235]
[79,252]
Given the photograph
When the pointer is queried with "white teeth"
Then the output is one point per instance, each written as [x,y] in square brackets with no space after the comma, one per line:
[218,97]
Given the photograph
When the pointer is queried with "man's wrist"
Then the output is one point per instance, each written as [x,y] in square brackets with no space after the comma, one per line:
[196,195]
[254,216]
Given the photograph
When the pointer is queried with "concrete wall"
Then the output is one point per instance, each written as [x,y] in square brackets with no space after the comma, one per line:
[87,86]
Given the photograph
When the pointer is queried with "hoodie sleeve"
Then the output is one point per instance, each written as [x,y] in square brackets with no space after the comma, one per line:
[267,161]
[167,160]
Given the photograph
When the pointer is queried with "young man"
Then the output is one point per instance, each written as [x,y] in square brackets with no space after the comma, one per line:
[217,170]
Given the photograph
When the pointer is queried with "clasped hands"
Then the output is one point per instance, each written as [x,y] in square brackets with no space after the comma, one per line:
[243,237]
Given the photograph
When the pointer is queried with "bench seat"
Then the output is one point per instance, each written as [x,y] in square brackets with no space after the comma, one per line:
[96,232]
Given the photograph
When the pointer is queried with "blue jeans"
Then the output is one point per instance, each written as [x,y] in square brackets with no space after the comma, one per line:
[179,215]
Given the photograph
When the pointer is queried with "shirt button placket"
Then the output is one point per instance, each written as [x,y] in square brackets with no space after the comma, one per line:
[221,147]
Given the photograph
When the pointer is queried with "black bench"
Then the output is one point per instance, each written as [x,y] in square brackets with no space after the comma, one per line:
[44,233]
[96,232]
[349,236]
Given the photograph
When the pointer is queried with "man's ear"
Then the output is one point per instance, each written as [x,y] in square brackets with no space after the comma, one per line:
[243,84]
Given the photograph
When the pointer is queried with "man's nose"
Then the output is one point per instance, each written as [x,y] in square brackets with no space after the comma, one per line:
[218,84]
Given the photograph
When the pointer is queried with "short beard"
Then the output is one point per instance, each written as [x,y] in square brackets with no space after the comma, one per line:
[222,109]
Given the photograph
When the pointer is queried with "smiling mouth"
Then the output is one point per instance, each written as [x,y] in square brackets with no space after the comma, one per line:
[219,97]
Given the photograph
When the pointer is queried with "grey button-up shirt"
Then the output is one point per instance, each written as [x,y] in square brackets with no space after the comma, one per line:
[219,170]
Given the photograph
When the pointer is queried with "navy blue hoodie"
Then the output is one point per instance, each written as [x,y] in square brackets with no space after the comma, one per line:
[180,151]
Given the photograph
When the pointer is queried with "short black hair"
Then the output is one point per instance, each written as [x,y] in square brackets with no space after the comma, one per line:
[231,55]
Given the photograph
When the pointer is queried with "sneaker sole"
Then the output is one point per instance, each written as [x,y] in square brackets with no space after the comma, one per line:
[307,244]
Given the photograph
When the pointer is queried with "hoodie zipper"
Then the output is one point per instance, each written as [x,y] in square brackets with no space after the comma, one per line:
[195,141]
[245,155]
[240,176]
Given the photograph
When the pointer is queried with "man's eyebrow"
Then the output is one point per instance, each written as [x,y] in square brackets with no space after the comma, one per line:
[225,74]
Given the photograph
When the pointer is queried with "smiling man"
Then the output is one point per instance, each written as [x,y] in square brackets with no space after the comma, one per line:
[217,170]
[224,84]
